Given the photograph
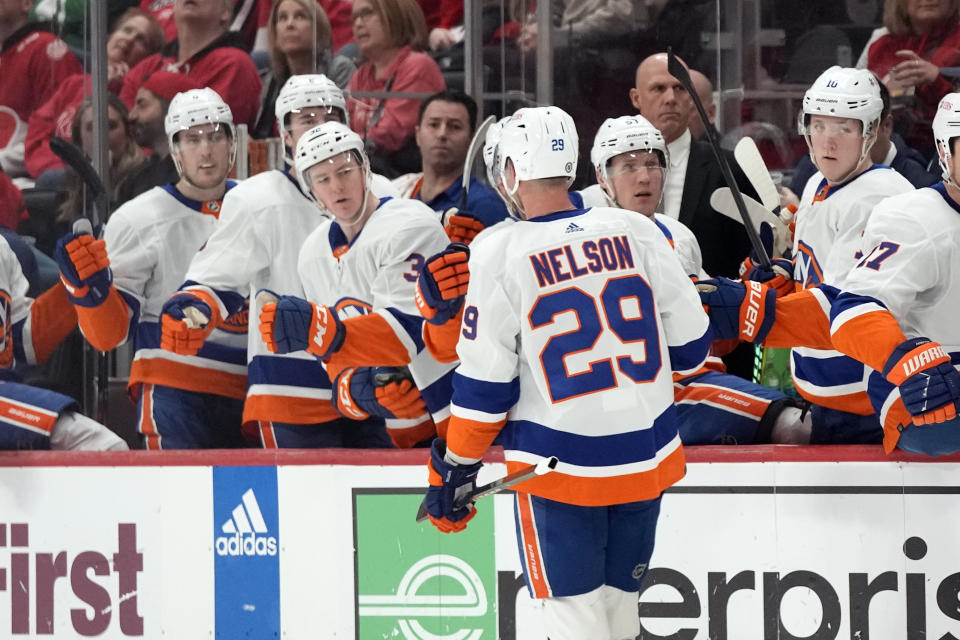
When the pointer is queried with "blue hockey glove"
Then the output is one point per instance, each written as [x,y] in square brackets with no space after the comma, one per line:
[84,268]
[442,284]
[384,392]
[448,482]
[929,385]
[779,277]
[185,323]
[293,324]
[738,310]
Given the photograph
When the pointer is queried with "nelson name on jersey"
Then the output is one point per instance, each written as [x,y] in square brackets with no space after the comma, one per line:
[560,264]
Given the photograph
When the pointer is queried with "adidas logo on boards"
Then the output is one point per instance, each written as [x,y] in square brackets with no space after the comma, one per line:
[572,227]
[245,531]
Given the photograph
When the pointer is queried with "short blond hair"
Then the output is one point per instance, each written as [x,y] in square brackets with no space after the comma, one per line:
[324,35]
[897,20]
[404,21]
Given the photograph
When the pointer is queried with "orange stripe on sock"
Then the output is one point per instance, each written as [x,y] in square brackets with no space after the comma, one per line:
[532,558]
[147,426]
[268,438]
[752,405]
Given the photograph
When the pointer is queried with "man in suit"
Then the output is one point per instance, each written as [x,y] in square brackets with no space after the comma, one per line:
[694,173]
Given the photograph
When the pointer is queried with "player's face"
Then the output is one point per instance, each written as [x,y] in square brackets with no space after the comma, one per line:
[443,136]
[662,100]
[129,42]
[339,184]
[637,180]
[146,118]
[836,144]
[204,153]
[302,120]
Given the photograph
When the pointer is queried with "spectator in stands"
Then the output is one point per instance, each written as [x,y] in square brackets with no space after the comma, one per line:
[136,35]
[244,22]
[34,62]
[705,92]
[146,120]
[298,36]
[12,208]
[890,149]
[441,17]
[209,54]
[694,173]
[923,36]
[446,127]
[125,154]
[390,36]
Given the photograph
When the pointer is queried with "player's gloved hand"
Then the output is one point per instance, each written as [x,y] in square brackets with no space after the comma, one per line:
[929,384]
[461,226]
[384,392]
[185,323]
[448,482]
[293,324]
[738,310]
[442,284]
[84,268]
[779,277]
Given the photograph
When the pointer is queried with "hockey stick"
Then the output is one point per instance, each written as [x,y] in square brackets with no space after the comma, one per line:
[750,160]
[520,475]
[722,202]
[73,157]
[678,71]
[476,146]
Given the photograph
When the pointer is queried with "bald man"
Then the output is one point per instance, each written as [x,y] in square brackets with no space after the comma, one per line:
[692,178]
[704,89]
[694,173]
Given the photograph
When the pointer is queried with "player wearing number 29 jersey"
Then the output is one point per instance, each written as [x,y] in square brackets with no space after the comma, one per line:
[573,325]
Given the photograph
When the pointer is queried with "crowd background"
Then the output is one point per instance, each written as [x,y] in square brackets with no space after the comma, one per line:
[755,58]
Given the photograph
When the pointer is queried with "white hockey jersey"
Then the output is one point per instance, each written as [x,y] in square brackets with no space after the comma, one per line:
[377,273]
[150,241]
[262,226]
[910,252]
[830,222]
[573,325]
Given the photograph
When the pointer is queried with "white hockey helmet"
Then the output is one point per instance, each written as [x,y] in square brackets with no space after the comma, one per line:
[540,142]
[844,92]
[490,144]
[625,134]
[198,106]
[309,90]
[946,127]
[324,142]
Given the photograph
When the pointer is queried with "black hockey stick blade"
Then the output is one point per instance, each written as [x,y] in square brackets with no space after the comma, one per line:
[678,71]
[476,145]
[73,157]
[520,475]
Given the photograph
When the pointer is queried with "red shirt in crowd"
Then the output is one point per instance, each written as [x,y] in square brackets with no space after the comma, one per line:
[222,66]
[410,71]
[34,63]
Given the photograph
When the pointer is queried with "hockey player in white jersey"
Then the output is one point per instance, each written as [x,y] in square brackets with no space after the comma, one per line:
[31,417]
[359,270]
[631,160]
[119,284]
[839,120]
[571,315]
[262,225]
[897,312]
